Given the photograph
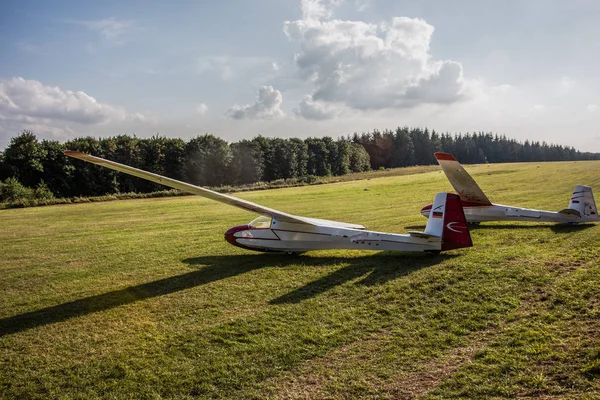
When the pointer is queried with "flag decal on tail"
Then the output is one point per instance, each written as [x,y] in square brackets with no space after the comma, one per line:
[436,213]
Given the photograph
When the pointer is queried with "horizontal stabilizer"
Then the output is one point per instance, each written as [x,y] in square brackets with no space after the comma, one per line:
[422,235]
[570,211]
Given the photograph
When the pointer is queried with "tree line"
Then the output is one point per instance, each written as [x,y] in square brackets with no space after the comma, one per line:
[405,147]
[207,160]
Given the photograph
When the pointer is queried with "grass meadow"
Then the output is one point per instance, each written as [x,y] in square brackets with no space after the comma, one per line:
[143,299]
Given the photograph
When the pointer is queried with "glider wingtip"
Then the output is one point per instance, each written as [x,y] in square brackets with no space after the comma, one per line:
[72,152]
[444,156]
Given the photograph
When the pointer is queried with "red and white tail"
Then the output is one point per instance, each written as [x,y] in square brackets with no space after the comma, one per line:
[447,220]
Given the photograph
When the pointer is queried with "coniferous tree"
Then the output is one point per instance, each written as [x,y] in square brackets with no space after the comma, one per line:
[300,159]
[318,155]
[404,150]
[340,165]
[246,162]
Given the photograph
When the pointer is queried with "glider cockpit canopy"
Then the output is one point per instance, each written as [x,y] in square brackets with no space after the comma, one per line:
[262,222]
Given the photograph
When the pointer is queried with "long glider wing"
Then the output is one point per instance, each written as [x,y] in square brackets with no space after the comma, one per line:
[220,197]
[463,183]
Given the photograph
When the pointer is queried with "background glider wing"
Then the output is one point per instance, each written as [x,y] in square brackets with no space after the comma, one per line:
[220,197]
[463,183]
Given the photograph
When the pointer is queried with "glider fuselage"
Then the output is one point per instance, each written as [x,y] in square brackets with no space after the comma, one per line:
[290,237]
[499,212]
[478,208]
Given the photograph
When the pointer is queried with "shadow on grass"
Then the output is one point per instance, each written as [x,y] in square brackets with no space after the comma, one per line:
[212,272]
[382,267]
[379,269]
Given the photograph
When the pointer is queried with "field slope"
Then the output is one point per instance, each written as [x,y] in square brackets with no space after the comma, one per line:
[144,299]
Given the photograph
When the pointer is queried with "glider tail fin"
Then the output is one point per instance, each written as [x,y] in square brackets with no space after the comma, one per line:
[582,201]
[447,220]
[460,179]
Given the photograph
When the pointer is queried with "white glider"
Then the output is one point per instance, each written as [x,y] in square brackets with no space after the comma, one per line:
[478,208]
[279,231]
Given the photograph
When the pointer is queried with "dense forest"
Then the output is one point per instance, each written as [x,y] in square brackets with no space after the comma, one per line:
[207,160]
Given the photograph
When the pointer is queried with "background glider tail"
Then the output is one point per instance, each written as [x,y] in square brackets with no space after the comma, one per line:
[447,220]
[582,201]
[462,182]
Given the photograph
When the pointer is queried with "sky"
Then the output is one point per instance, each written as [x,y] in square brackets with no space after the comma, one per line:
[300,68]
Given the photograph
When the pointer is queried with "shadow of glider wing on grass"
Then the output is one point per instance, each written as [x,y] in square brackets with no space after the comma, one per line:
[380,267]
[62,312]
[374,272]
[478,208]
[280,231]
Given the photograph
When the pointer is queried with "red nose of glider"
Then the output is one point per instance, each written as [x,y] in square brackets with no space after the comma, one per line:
[426,210]
[230,234]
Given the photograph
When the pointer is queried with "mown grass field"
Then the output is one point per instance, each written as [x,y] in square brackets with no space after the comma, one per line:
[144,299]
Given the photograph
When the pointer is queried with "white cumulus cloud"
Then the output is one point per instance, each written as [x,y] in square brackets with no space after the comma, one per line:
[228,67]
[316,110]
[201,108]
[537,108]
[111,29]
[267,106]
[54,132]
[317,9]
[362,5]
[368,66]
[21,98]
[592,107]
[567,82]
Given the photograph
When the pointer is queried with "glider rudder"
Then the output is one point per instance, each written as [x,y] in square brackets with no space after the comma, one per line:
[456,230]
[447,220]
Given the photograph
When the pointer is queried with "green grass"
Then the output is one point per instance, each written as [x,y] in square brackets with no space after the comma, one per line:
[144,299]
